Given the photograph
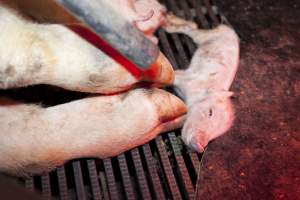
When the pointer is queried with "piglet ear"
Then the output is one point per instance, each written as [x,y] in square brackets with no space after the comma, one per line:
[223,93]
[228,93]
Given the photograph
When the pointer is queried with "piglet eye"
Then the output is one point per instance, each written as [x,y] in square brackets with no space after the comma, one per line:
[210,113]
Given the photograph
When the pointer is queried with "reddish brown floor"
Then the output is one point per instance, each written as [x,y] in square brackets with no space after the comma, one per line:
[260,157]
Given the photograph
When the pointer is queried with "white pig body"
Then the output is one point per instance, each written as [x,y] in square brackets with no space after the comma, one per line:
[205,83]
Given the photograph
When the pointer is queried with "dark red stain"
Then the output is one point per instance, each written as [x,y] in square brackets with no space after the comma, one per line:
[152,72]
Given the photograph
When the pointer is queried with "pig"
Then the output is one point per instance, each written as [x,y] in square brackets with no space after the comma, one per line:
[205,84]
[38,54]
[35,139]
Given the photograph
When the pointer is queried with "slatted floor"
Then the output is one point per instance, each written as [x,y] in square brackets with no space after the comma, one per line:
[161,169]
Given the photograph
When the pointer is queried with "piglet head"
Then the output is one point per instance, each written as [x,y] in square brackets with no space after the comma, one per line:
[207,119]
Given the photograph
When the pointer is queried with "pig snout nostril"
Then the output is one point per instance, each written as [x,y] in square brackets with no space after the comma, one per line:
[196,146]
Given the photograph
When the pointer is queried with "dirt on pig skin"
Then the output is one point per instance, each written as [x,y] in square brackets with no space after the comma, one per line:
[260,157]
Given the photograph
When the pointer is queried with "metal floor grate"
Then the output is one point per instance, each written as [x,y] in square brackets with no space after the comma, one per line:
[161,169]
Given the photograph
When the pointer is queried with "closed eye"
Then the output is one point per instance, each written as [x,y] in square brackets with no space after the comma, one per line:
[210,113]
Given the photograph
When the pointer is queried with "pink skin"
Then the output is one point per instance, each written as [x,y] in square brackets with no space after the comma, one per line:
[156,20]
[146,15]
[207,120]
[36,139]
[150,6]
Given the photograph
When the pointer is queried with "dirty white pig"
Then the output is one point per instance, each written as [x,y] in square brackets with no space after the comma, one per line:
[34,139]
[205,84]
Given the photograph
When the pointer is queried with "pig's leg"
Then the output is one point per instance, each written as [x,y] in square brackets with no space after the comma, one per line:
[174,24]
[157,18]
[35,139]
[52,54]
[206,37]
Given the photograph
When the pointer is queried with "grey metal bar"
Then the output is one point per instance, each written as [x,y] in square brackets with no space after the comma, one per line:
[129,191]
[188,15]
[46,188]
[200,14]
[188,185]
[211,13]
[111,181]
[184,61]
[167,50]
[151,167]
[62,183]
[143,185]
[80,191]
[168,168]
[104,185]
[29,184]
[114,29]
[96,190]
